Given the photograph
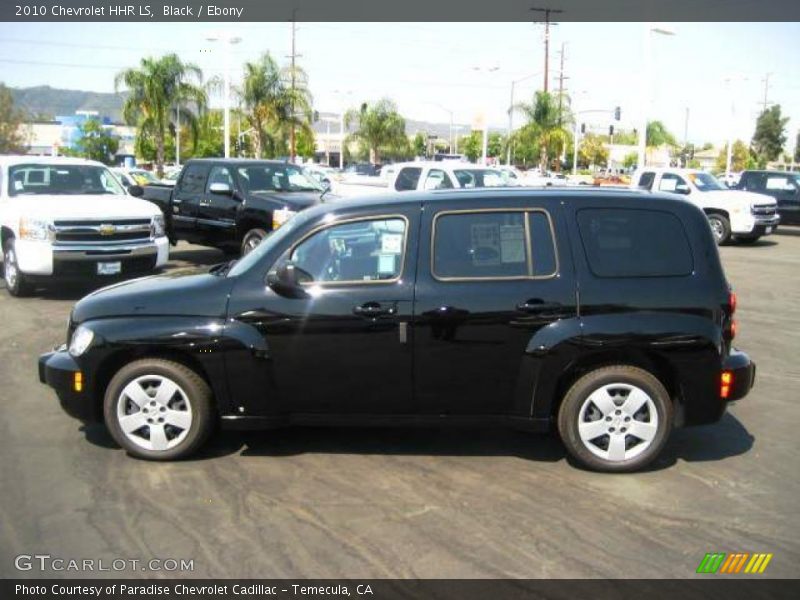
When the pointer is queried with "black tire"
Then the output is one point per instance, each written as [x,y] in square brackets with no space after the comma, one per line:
[576,400]
[748,240]
[17,285]
[252,239]
[720,228]
[198,396]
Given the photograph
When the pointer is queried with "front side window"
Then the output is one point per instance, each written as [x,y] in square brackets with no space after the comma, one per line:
[276,178]
[353,252]
[194,179]
[62,180]
[220,175]
[493,245]
[673,183]
[783,183]
[634,243]
[706,182]
[437,180]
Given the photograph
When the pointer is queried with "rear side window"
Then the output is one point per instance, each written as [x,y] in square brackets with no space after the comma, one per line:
[493,245]
[194,179]
[634,243]
[407,179]
[646,180]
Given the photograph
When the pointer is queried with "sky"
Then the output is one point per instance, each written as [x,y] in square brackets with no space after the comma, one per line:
[433,69]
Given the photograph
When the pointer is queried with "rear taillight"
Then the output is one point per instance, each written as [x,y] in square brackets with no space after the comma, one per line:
[725,384]
[732,301]
[731,326]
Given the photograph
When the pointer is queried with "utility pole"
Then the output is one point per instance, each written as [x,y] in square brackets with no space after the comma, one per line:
[766,89]
[547,12]
[686,128]
[561,83]
[293,82]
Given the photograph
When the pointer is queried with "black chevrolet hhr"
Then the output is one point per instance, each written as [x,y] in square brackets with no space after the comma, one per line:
[603,312]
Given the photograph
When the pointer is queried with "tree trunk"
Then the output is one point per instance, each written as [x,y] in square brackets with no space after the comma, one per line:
[160,153]
[374,155]
[543,158]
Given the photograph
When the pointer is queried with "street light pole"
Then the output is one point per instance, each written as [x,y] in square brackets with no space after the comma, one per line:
[229,40]
[649,29]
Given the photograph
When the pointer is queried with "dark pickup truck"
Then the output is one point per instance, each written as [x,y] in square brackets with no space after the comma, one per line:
[784,186]
[233,204]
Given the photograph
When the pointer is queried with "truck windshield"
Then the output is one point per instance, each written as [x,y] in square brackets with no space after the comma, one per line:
[276,178]
[61,180]
[705,182]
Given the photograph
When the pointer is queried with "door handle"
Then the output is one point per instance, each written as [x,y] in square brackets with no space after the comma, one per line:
[373,309]
[536,305]
[205,202]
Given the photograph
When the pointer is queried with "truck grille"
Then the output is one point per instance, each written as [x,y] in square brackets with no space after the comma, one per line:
[102,232]
[763,210]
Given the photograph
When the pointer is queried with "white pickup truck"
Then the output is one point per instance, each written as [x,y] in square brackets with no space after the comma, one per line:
[743,216]
[68,218]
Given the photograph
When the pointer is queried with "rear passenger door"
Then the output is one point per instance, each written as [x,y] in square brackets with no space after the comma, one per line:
[186,200]
[489,277]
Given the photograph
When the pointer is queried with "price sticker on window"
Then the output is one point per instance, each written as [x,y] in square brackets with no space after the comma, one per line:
[391,243]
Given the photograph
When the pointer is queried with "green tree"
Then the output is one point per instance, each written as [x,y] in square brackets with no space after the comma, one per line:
[96,142]
[630,160]
[548,124]
[158,90]
[740,157]
[658,135]
[592,151]
[471,145]
[12,140]
[495,145]
[378,126]
[306,146]
[419,145]
[797,148]
[770,135]
[267,104]
[298,119]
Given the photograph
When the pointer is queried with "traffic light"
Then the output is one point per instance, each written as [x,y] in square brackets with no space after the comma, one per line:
[617,113]
[583,127]
[610,130]
[316,116]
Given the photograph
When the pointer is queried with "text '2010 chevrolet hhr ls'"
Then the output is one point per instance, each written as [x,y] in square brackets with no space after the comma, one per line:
[605,313]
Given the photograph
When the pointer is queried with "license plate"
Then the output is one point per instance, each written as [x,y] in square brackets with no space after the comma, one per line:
[109,268]
[769,229]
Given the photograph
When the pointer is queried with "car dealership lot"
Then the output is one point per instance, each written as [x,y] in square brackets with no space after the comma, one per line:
[410,503]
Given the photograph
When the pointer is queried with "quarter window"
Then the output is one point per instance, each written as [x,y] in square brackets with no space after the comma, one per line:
[407,179]
[355,252]
[634,243]
[492,245]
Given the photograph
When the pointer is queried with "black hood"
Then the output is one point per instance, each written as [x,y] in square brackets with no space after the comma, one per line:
[291,200]
[184,293]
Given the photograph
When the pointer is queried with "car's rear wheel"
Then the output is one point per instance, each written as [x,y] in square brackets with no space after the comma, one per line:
[16,284]
[158,409]
[720,227]
[615,418]
[252,239]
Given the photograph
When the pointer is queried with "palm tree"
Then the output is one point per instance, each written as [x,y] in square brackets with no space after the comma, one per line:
[267,104]
[377,126]
[547,119]
[157,91]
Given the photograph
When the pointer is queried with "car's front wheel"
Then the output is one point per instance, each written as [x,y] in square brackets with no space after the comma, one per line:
[16,284]
[615,418]
[720,227]
[158,409]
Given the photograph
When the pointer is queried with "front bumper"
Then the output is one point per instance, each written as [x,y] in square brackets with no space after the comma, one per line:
[57,369]
[762,224]
[744,374]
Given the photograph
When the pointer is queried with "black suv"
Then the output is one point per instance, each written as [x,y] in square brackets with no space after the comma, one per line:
[605,312]
[784,186]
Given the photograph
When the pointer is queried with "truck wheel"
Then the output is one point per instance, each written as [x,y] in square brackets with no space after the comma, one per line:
[16,283]
[720,227]
[615,419]
[158,409]
[252,239]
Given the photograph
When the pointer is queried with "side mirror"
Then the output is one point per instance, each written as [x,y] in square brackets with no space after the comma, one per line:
[136,190]
[285,281]
[221,188]
[326,184]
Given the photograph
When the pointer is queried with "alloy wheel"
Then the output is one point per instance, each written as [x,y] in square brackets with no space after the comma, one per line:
[10,266]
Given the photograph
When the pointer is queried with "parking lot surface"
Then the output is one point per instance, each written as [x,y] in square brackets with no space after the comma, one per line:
[360,503]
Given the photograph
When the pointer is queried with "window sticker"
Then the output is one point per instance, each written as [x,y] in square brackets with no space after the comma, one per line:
[391,243]
[386,264]
[512,244]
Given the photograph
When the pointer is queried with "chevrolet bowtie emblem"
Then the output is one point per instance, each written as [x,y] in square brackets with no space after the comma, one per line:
[107,229]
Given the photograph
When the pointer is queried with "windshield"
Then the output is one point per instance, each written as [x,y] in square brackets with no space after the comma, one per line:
[276,178]
[270,242]
[62,180]
[144,177]
[479,178]
[705,182]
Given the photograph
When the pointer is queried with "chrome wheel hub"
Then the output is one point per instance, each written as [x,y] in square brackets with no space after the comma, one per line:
[154,412]
[618,422]
[10,267]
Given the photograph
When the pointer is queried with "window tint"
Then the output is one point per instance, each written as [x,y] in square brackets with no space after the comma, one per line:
[634,243]
[220,175]
[646,180]
[437,180]
[194,179]
[543,249]
[407,179]
[353,252]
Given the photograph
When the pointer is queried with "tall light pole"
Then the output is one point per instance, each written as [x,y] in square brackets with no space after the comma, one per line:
[343,94]
[229,40]
[729,153]
[648,30]
[511,112]
[485,125]
[450,112]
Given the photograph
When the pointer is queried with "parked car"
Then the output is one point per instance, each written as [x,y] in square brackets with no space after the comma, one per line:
[742,216]
[451,307]
[783,186]
[433,175]
[232,203]
[131,177]
[69,218]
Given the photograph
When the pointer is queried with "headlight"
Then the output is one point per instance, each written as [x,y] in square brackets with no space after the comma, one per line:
[36,229]
[157,228]
[280,216]
[81,340]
